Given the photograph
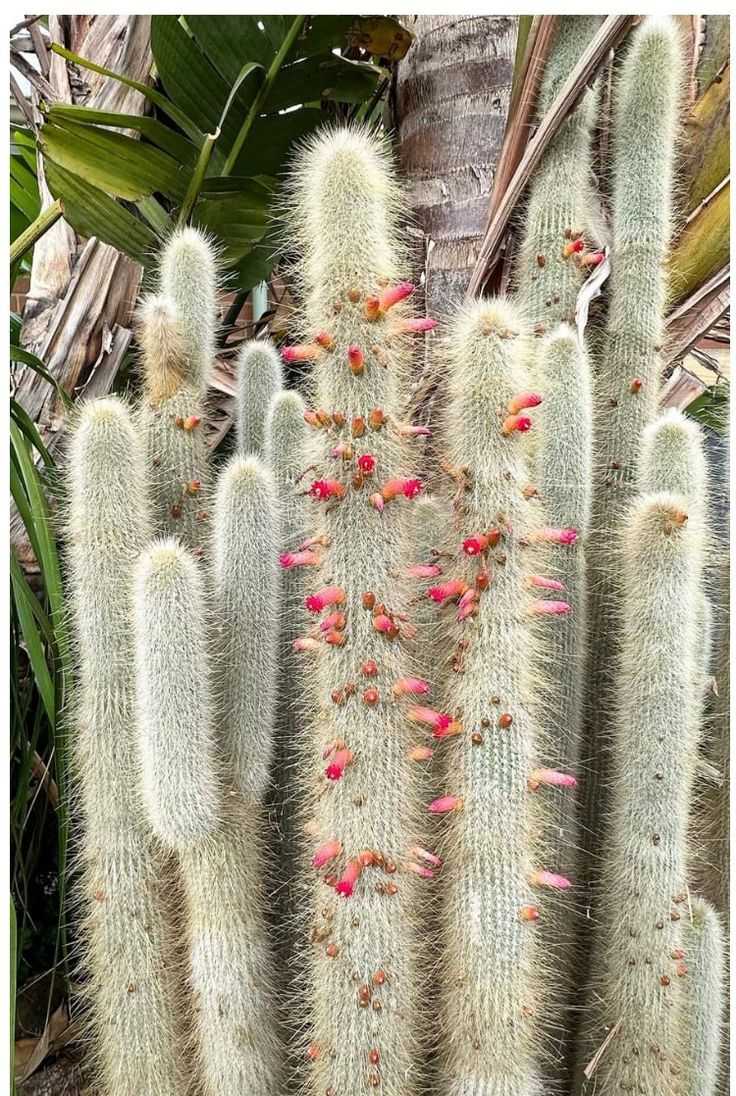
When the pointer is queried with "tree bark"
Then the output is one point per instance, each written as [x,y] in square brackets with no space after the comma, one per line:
[452,98]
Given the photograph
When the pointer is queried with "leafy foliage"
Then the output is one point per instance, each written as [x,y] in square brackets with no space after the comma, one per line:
[233,94]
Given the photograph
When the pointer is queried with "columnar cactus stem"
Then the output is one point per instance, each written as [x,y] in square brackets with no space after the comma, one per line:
[171,417]
[360,802]
[188,275]
[259,377]
[644,133]
[563,480]
[702,1030]
[493,880]
[285,446]
[559,241]
[636,977]
[181,786]
[134,1011]
[672,459]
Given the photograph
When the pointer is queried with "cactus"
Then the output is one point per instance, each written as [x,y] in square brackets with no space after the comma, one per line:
[259,377]
[560,217]
[636,971]
[285,455]
[359,804]
[644,132]
[703,1032]
[179,777]
[493,879]
[171,414]
[188,275]
[134,1010]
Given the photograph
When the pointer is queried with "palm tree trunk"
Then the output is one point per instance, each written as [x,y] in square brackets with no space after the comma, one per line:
[452,98]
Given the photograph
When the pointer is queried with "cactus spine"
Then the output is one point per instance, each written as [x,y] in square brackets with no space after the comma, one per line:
[175,712]
[644,134]
[492,879]
[702,1031]
[259,378]
[133,998]
[360,804]
[637,993]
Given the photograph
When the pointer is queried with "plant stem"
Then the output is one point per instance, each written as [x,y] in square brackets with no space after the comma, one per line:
[263,92]
[35,231]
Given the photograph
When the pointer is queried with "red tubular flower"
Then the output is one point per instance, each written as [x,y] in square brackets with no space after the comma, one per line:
[340,760]
[383,623]
[298,559]
[410,685]
[394,294]
[546,583]
[423,570]
[303,352]
[409,488]
[453,588]
[549,608]
[592,259]
[549,879]
[475,545]
[328,595]
[555,536]
[366,463]
[346,883]
[512,423]
[522,401]
[440,721]
[327,488]
[356,359]
[449,730]
[445,804]
[551,777]
[417,326]
[573,247]
[325,853]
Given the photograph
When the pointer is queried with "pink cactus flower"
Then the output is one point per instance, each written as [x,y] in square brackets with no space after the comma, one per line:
[429,717]
[546,583]
[453,588]
[549,879]
[383,623]
[555,536]
[325,853]
[423,570]
[394,294]
[356,359]
[513,423]
[424,854]
[542,607]
[591,259]
[298,559]
[328,595]
[366,463]
[304,352]
[418,325]
[346,883]
[522,401]
[340,760]
[332,620]
[410,685]
[324,489]
[475,545]
[445,804]
[573,247]
[551,777]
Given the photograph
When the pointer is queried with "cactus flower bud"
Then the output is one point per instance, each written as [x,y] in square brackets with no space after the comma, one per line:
[325,853]
[545,583]
[410,685]
[453,588]
[298,559]
[394,294]
[340,761]
[346,883]
[304,352]
[549,879]
[522,401]
[543,607]
[417,326]
[445,804]
[423,570]
[440,721]
[551,777]
[325,340]
[512,423]
[420,753]
[356,359]
[555,536]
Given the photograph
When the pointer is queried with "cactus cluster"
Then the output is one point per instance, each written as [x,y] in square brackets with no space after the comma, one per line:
[340,737]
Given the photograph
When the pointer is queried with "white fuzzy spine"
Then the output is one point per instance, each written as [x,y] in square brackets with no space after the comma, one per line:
[259,379]
[705,987]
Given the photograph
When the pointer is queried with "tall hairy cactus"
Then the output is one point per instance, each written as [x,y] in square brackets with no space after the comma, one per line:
[133,1000]
[627,382]
[561,221]
[360,808]
[177,339]
[702,1030]
[638,963]
[491,879]
[259,378]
